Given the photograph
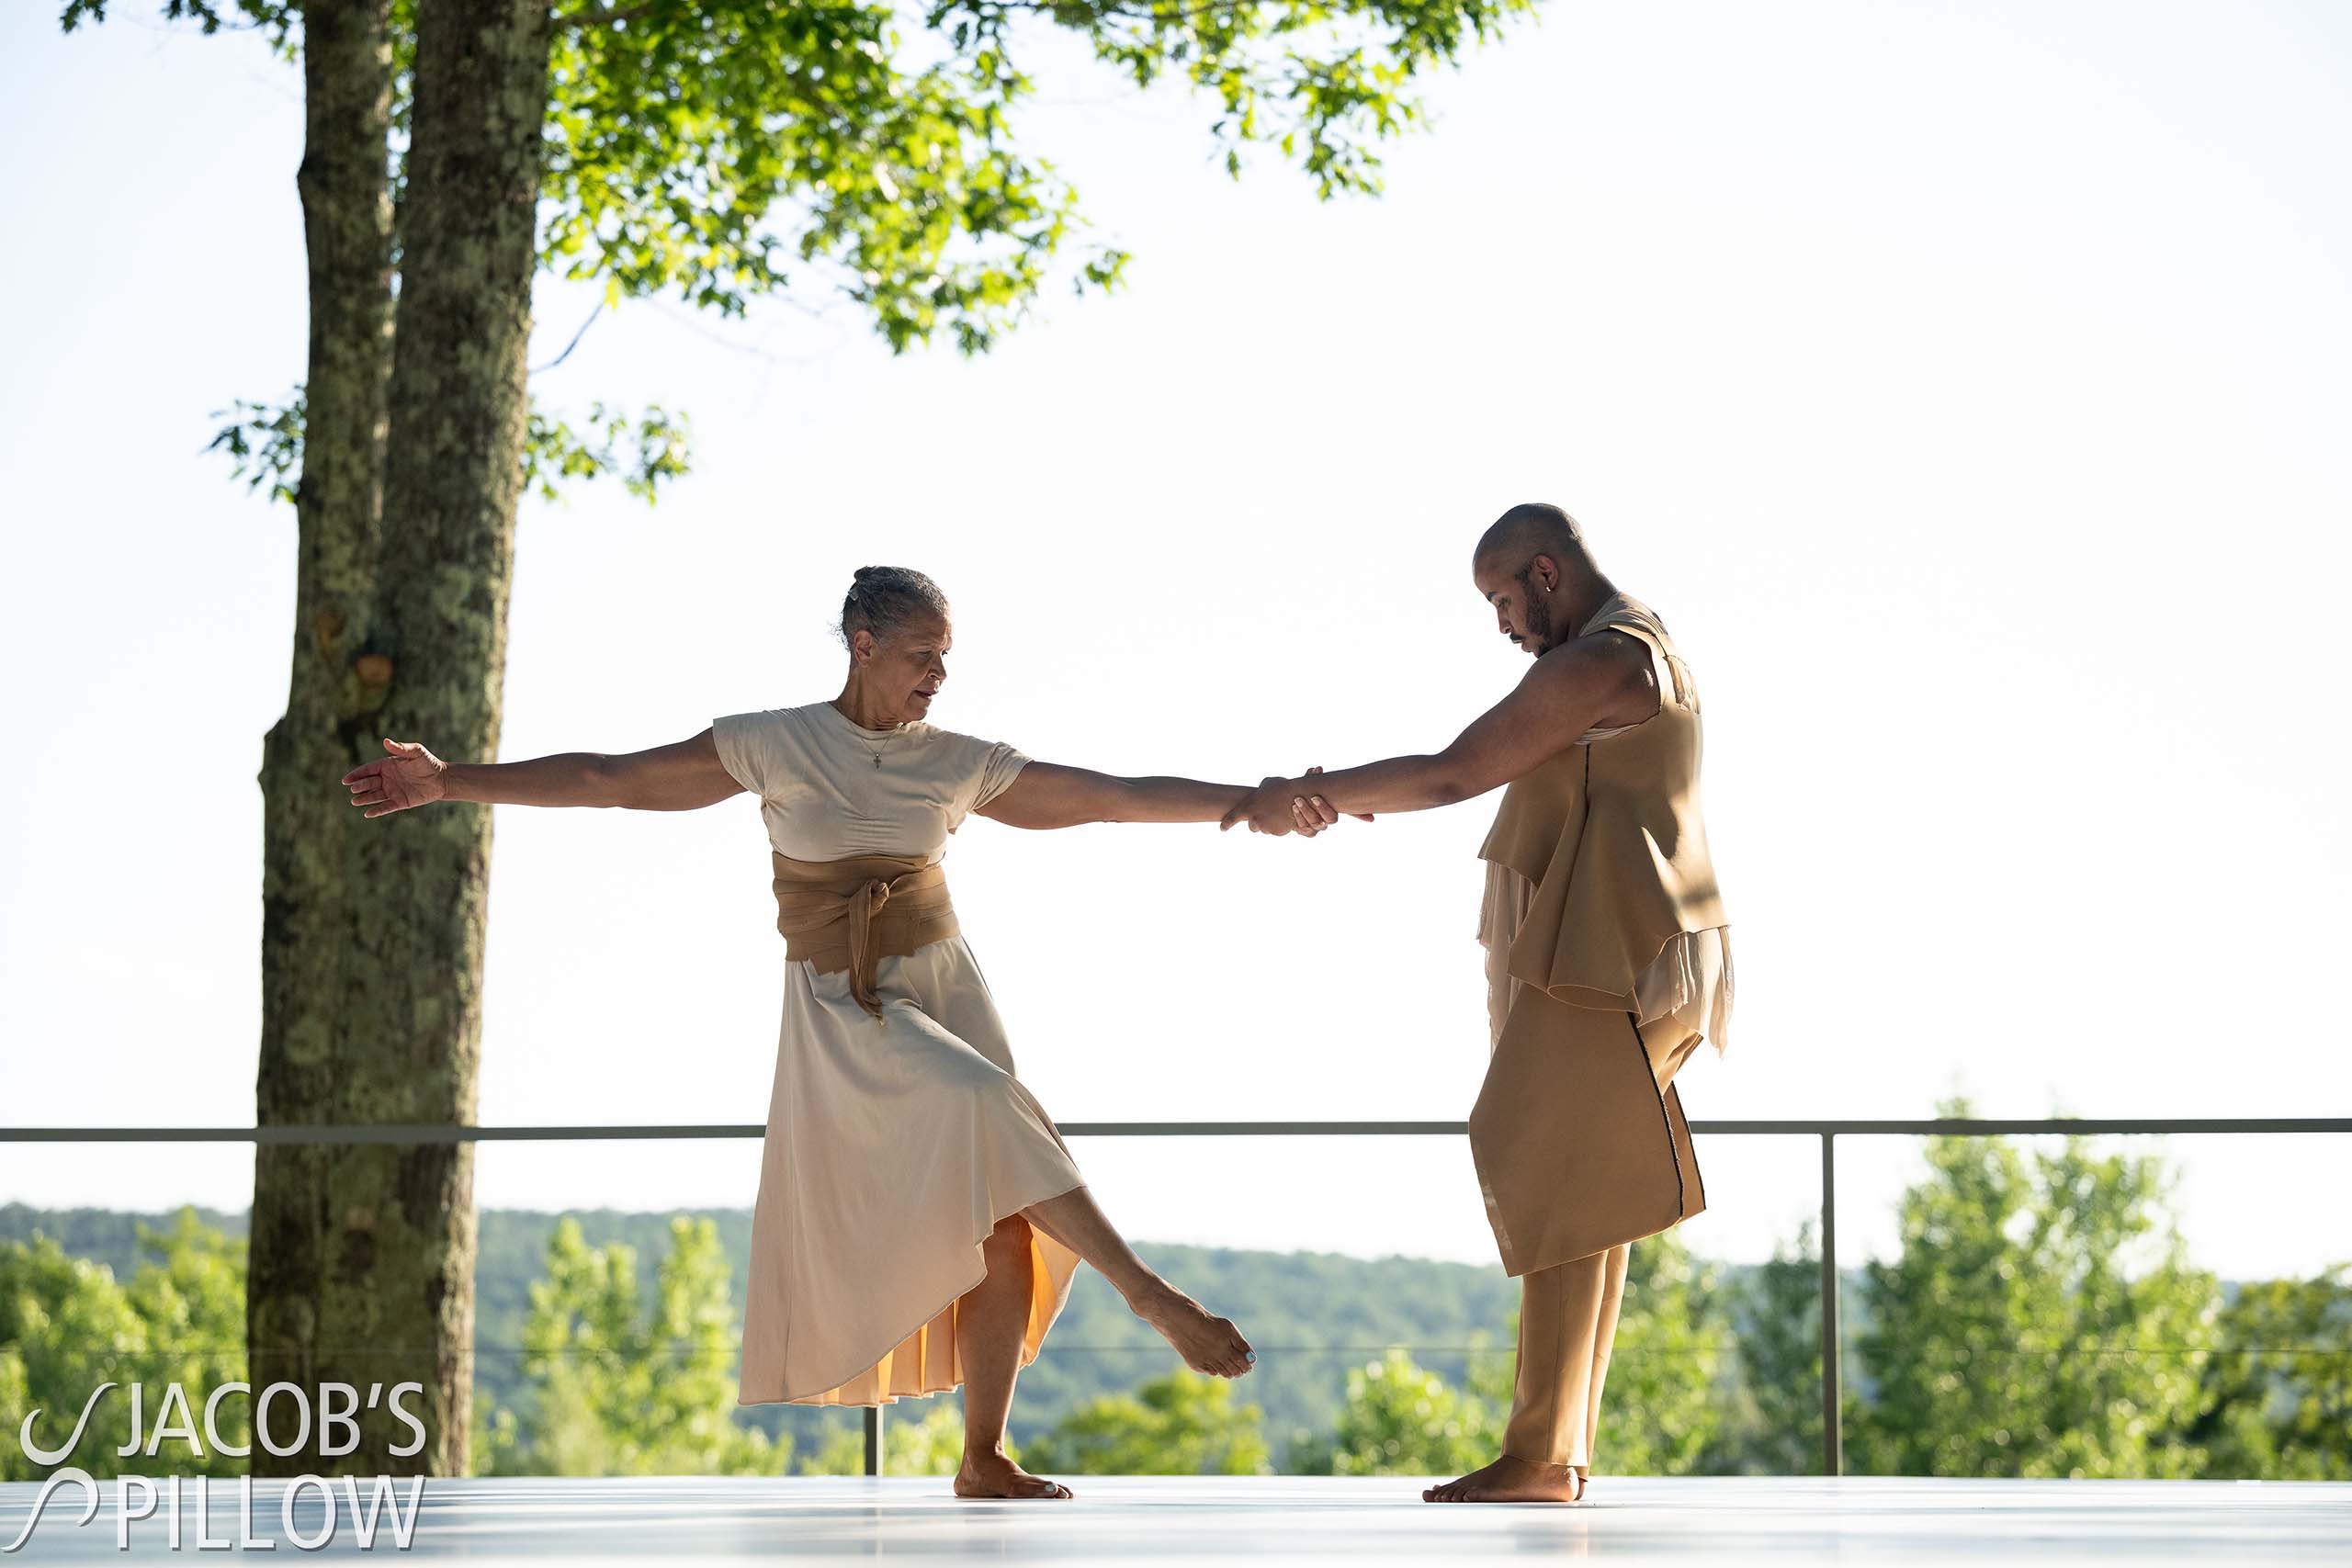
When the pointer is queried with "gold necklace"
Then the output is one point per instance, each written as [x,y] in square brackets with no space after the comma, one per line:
[876,750]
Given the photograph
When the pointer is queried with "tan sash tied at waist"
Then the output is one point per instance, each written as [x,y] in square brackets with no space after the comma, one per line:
[851,914]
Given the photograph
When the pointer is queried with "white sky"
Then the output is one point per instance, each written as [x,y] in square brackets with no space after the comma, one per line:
[1958,381]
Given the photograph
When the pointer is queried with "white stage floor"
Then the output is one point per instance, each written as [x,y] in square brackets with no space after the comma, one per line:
[1272,1521]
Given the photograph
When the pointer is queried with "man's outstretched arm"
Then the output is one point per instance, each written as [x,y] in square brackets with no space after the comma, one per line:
[1595,681]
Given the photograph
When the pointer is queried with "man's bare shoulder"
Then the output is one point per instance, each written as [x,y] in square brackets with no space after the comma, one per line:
[1610,657]
[1611,666]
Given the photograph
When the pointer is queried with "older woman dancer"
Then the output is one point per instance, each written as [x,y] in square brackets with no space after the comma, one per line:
[919,1217]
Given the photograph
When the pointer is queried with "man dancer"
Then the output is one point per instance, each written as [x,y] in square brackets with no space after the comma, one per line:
[1607,963]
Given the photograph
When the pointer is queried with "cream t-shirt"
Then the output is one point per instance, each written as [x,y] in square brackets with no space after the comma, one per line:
[830,789]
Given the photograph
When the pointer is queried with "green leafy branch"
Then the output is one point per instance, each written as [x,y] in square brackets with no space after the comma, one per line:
[645,450]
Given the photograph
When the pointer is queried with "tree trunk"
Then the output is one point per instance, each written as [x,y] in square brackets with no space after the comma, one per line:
[308,845]
[453,477]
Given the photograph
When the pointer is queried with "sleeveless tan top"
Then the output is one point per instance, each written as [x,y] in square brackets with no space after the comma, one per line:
[1599,886]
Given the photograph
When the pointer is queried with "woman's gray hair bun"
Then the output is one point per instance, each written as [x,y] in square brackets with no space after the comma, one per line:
[885,599]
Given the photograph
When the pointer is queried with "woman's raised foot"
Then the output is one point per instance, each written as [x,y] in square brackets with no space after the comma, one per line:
[1208,1343]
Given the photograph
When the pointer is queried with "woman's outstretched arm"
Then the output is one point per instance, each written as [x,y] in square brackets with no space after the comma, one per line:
[1046,794]
[677,777]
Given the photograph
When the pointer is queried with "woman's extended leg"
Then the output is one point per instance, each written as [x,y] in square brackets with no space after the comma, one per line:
[1207,1343]
[990,1319]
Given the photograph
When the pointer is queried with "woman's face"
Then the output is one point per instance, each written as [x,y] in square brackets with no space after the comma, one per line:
[904,671]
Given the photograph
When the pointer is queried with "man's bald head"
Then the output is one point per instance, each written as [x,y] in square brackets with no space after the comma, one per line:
[1530,529]
[1532,567]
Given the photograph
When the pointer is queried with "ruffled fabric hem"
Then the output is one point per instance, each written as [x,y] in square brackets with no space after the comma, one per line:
[1690,979]
[930,1359]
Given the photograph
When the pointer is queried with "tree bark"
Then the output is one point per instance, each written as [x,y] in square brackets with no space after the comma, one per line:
[308,844]
[453,477]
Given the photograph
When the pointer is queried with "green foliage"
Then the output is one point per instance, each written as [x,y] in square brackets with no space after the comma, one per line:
[1323,81]
[1662,1409]
[841,1453]
[1183,1424]
[715,150]
[1662,1406]
[1327,1313]
[646,450]
[727,152]
[1402,1419]
[278,16]
[191,1295]
[263,444]
[2277,1395]
[2040,1320]
[620,1388]
[67,1326]
[931,1443]
[1777,1415]
[2272,1368]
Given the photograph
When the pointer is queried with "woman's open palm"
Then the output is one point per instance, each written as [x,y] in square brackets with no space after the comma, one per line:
[410,776]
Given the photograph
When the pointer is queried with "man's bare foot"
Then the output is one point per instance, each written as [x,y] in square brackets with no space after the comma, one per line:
[1510,1480]
[988,1473]
[1208,1343]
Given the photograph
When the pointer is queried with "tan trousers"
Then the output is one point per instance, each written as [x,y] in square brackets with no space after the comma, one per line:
[1568,1318]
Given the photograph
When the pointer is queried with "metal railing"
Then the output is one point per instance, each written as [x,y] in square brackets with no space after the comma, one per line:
[1832,1401]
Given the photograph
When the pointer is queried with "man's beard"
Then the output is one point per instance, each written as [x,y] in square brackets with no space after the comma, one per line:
[1537,638]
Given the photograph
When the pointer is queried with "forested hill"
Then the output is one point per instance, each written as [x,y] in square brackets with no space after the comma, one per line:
[1716,1369]
[1313,1315]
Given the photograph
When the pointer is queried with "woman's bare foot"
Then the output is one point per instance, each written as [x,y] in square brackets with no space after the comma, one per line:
[1510,1480]
[988,1473]
[1208,1343]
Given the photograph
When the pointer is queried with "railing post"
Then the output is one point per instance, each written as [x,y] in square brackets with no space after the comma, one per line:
[1833,1433]
[874,1440]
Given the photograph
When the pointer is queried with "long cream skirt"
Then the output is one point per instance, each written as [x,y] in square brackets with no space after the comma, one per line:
[894,1148]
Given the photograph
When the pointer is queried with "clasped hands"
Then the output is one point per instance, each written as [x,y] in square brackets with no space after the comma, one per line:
[1280,805]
